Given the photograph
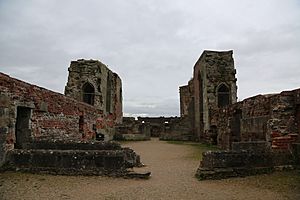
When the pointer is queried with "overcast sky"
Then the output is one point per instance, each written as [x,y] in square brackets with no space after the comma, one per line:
[152,44]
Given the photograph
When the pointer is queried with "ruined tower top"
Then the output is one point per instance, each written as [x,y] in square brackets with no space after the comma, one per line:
[92,82]
[217,58]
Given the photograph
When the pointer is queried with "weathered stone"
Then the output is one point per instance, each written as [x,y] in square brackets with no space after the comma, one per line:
[4,100]
[105,85]
[43,106]
[213,87]
[86,162]
[92,82]
[132,130]
[43,131]
[226,164]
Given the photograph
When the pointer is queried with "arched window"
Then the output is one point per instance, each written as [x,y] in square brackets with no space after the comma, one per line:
[88,93]
[223,95]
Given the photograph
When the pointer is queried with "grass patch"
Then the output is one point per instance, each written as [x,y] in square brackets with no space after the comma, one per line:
[285,182]
[198,148]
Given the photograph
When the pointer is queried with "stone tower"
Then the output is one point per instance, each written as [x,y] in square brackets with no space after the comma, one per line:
[215,87]
[92,82]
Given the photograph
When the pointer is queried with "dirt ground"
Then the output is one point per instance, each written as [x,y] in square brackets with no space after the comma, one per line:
[172,166]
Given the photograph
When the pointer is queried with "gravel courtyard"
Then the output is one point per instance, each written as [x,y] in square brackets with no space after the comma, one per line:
[172,166]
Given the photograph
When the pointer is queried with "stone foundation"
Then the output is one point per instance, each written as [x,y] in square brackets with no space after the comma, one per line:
[246,159]
[99,158]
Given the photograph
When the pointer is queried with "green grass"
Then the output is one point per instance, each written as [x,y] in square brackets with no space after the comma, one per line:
[198,148]
[285,182]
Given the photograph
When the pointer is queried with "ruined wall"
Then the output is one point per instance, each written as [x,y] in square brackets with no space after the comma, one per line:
[272,118]
[29,112]
[157,124]
[214,87]
[208,103]
[132,129]
[243,121]
[259,134]
[246,158]
[186,99]
[166,128]
[74,158]
[92,82]
[285,112]
[178,129]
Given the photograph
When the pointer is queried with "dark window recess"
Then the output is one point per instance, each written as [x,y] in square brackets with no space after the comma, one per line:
[88,93]
[235,124]
[214,134]
[99,136]
[223,96]
[23,132]
[81,123]
[120,97]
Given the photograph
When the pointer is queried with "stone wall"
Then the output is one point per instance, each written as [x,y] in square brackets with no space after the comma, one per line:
[186,99]
[166,128]
[157,124]
[246,158]
[73,158]
[272,118]
[29,113]
[104,87]
[132,129]
[208,102]
[212,87]
[178,129]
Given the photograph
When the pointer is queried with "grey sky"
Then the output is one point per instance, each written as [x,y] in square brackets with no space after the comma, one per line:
[152,44]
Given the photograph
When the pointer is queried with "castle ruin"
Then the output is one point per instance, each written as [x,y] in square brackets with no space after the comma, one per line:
[42,130]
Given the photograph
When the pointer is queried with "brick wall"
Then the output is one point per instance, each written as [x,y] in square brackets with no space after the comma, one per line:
[273,118]
[53,116]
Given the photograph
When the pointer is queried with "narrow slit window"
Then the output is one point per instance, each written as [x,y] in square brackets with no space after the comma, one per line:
[81,123]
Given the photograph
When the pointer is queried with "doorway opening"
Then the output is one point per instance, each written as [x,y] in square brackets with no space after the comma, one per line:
[22,129]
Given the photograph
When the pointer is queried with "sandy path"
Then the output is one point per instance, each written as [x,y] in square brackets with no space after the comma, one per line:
[172,178]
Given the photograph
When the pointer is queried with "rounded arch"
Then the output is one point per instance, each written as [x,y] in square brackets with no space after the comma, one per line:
[223,94]
[88,92]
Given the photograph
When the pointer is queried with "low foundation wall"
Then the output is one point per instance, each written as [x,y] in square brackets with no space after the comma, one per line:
[176,137]
[132,137]
[247,158]
[66,145]
[70,162]
[81,158]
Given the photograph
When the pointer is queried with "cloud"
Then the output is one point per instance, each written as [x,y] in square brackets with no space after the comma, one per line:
[152,44]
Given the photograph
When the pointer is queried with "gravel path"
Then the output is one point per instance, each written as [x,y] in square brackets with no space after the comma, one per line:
[172,170]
